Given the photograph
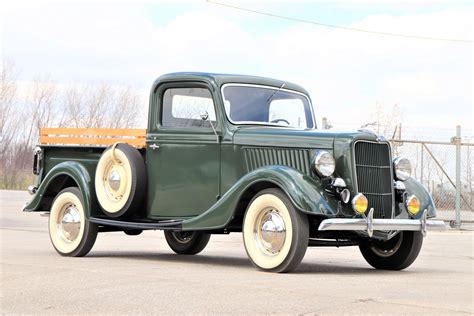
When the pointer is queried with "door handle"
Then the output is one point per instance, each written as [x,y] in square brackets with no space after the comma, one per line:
[154,146]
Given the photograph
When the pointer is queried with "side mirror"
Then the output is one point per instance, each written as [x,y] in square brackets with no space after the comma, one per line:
[204,116]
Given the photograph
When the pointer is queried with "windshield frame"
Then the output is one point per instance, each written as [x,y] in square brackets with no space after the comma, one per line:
[236,123]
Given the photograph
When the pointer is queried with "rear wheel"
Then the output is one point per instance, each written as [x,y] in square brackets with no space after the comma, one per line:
[397,253]
[70,232]
[187,243]
[275,234]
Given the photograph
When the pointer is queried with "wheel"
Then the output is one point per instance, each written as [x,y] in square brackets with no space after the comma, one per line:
[70,232]
[187,243]
[120,180]
[275,234]
[397,253]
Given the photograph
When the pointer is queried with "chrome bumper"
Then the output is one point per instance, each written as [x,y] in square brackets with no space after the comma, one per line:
[369,224]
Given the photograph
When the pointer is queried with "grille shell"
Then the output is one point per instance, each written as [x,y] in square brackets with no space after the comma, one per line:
[374,176]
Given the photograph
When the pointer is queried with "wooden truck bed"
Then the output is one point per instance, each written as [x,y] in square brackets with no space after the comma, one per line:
[93,136]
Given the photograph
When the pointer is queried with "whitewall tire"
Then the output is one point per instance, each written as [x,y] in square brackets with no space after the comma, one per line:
[120,180]
[275,233]
[70,232]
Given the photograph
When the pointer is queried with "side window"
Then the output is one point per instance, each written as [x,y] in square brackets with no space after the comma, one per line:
[182,107]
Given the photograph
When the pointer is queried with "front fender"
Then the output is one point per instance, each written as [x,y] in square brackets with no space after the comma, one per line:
[72,169]
[412,186]
[306,194]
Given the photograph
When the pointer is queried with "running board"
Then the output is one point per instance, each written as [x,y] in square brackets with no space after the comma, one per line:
[164,225]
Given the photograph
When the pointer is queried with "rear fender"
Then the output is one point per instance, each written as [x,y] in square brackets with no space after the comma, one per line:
[73,170]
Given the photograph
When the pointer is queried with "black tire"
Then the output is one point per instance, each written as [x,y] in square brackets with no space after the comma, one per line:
[284,258]
[69,201]
[187,243]
[133,232]
[131,171]
[397,253]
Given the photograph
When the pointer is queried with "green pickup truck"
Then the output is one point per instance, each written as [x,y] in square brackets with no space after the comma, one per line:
[231,153]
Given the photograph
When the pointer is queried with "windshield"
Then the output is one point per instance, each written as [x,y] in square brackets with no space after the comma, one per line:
[245,104]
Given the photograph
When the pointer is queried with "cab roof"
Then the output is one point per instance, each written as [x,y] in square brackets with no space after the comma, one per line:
[221,79]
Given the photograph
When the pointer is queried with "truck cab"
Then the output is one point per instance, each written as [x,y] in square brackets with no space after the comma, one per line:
[232,153]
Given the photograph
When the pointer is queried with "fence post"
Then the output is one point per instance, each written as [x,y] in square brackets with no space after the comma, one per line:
[457,141]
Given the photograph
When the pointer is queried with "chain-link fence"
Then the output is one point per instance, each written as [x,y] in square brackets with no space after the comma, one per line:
[446,170]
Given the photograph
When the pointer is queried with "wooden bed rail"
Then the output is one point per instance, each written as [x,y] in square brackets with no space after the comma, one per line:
[93,136]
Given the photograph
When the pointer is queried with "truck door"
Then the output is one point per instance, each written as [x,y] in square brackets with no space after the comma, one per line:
[183,152]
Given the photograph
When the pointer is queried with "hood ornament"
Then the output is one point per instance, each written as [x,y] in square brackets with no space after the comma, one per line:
[378,138]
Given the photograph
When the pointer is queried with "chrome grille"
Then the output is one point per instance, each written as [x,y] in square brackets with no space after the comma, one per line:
[256,157]
[374,176]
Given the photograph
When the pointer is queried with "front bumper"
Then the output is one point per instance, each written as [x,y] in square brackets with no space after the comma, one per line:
[369,224]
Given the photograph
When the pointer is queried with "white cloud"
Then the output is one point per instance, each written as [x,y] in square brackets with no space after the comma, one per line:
[346,72]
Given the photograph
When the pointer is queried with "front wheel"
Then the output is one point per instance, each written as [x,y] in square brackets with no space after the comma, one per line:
[69,230]
[187,243]
[397,253]
[275,234]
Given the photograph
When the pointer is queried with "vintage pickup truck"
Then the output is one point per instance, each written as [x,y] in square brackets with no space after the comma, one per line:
[232,153]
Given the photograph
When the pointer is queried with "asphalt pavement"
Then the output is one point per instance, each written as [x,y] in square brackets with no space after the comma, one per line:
[140,274]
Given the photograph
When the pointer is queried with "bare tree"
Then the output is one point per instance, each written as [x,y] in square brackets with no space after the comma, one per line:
[97,102]
[387,120]
[39,112]
[8,128]
[126,109]
[44,103]
[101,107]
[8,91]
[73,104]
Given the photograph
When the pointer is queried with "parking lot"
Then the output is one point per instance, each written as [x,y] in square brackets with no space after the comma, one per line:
[140,274]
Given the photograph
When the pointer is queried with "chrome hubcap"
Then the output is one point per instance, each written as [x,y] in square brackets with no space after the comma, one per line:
[183,237]
[70,223]
[270,231]
[114,180]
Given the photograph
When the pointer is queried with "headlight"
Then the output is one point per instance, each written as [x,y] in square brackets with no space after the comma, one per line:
[413,205]
[345,195]
[402,168]
[324,163]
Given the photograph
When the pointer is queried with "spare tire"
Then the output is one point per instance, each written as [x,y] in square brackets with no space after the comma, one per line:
[120,180]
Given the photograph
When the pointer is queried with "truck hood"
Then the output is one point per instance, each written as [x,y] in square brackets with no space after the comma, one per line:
[295,138]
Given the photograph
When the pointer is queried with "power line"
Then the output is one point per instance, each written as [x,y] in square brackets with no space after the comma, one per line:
[340,27]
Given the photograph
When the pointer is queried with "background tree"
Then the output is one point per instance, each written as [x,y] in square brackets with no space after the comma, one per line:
[43,103]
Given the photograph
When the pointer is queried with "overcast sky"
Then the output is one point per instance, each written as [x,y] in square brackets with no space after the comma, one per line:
[346,73]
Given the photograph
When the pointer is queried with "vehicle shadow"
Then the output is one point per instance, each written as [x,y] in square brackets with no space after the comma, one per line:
[171,257]
[237,262]
[314,268]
